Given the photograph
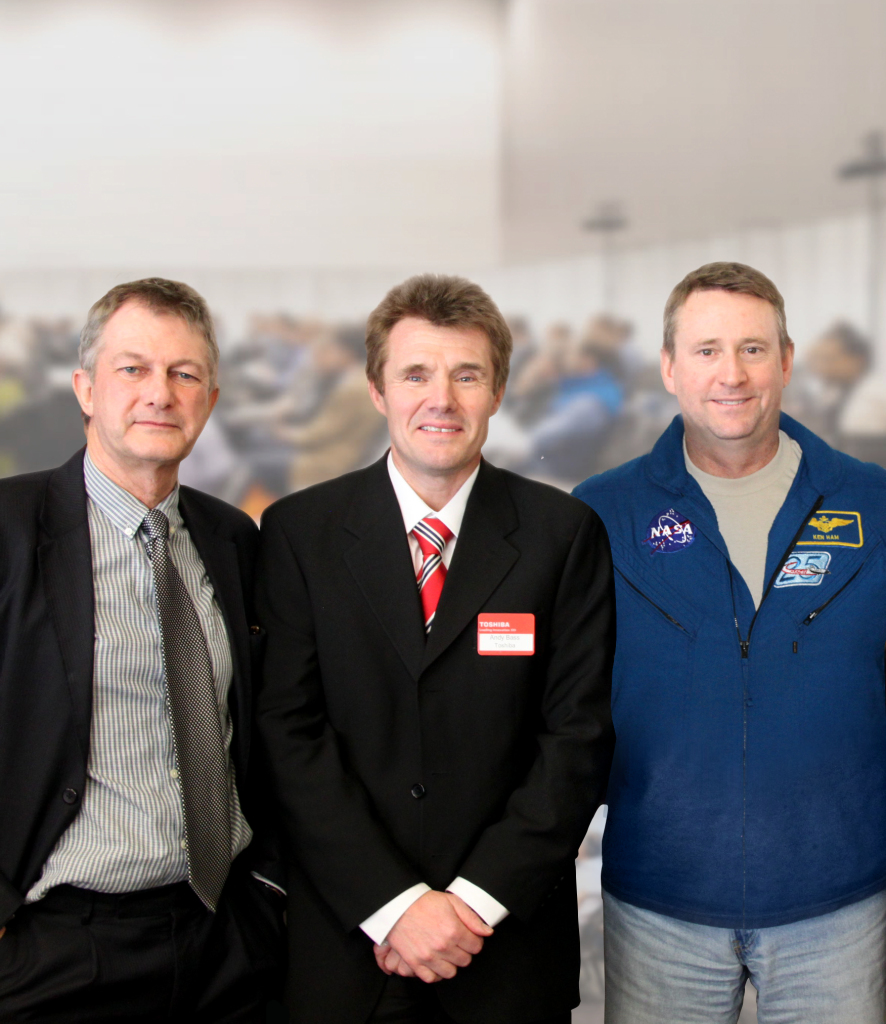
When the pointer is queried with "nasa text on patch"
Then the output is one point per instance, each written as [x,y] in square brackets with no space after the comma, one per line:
[804,569]
[833,529]
[669,532]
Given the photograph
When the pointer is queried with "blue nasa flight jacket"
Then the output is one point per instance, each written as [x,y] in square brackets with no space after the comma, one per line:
[748,787]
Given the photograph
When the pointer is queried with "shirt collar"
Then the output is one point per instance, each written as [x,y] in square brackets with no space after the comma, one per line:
[124,510]
[414,509]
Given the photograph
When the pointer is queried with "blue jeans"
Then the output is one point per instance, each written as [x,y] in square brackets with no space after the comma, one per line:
[824,970]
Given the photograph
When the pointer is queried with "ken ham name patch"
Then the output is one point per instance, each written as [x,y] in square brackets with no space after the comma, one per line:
[669,532]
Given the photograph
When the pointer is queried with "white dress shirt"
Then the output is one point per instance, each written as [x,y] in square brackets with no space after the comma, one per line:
[414,509]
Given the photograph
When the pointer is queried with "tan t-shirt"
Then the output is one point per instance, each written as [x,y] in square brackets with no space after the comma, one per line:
[747,507]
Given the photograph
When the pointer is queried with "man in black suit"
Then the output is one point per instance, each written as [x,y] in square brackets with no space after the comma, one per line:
[439,740]
[126,671]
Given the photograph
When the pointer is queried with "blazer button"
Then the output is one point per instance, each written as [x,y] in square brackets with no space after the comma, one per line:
[418,791]
[70,796]
[255,630]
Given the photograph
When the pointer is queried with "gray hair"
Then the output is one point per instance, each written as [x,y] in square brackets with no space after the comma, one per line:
[171,298]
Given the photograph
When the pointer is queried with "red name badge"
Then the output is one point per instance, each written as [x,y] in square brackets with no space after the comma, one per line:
[506,634]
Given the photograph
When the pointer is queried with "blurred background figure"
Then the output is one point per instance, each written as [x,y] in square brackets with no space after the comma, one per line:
[834,366]
[345,432]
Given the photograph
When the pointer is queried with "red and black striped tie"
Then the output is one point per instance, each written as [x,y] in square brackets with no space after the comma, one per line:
[432,535]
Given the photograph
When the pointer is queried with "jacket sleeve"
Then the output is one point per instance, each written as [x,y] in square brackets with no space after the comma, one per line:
[10,899]
[326,817]
[520,858]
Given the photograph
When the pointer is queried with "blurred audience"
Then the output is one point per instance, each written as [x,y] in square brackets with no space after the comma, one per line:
[294,409]
[347,431]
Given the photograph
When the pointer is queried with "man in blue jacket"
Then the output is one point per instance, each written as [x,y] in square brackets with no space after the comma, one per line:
[746,835]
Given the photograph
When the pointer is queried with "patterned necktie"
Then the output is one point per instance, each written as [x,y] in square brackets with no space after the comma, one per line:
[432,536]
[196,729]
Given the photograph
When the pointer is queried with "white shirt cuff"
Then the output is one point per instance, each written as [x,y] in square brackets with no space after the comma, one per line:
[479,901]
[382,921]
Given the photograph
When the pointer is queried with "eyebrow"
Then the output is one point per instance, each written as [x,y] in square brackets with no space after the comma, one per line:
[138,357]
[741,341]
[422,367]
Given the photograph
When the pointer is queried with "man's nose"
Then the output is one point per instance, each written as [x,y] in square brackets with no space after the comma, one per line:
[157,390]
[442,394]
[732,370]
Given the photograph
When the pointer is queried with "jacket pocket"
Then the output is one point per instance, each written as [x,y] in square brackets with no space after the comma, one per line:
[810,613]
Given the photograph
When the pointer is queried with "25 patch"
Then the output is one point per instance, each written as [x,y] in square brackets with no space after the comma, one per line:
[833,529]
[804,569]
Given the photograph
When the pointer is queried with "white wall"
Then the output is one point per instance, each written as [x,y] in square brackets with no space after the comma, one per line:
[246,133]
[820,267]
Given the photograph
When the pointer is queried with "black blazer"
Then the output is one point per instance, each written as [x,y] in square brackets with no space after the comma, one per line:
[46,656]
[357,708]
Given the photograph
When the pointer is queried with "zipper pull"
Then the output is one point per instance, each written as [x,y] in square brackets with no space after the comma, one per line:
[745,644]
[810,617]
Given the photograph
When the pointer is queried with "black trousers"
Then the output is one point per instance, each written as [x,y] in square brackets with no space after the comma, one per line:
[158,955]
[410,1001]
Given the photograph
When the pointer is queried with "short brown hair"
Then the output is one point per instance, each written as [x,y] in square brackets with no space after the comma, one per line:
[160,296]
[728,277]
[444,301]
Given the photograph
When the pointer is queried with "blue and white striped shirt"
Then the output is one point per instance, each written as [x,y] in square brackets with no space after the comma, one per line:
[129,834]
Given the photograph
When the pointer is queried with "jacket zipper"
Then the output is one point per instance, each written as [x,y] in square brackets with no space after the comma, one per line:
[745,645]
[670,618]
[818,611]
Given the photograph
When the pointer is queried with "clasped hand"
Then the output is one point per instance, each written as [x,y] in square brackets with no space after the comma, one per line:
[438,934]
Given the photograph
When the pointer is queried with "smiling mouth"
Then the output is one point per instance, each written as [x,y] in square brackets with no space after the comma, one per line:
[440,430]
[730,401]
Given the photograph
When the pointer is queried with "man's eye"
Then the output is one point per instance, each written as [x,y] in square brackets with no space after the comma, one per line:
[130,371]
[414,376]
[468,378]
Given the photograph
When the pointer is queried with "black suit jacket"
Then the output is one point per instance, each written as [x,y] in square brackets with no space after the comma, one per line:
[357,707]
[46,657]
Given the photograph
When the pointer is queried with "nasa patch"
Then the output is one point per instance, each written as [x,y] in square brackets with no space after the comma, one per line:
[668,532]
[804,569]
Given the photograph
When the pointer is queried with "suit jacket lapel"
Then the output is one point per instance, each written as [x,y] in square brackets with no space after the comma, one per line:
[219,555]
[482,559]
[380,562]
[65,560]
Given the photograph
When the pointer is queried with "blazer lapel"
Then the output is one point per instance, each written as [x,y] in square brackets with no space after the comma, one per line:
[380,562]
[65,560]
[219,556]
[483,557]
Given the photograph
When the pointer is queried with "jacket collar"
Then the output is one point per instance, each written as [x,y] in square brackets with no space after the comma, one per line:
[666,466]
[218,552]
[65,558]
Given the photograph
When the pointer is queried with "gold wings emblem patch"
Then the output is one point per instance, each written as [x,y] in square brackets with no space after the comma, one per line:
[828,525]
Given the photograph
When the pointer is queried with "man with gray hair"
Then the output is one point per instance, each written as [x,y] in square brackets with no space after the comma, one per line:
[131,887]
[747,798]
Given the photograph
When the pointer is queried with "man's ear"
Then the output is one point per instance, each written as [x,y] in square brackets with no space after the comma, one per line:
[82,385]
[667,371]
[378,399]
[787,363]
